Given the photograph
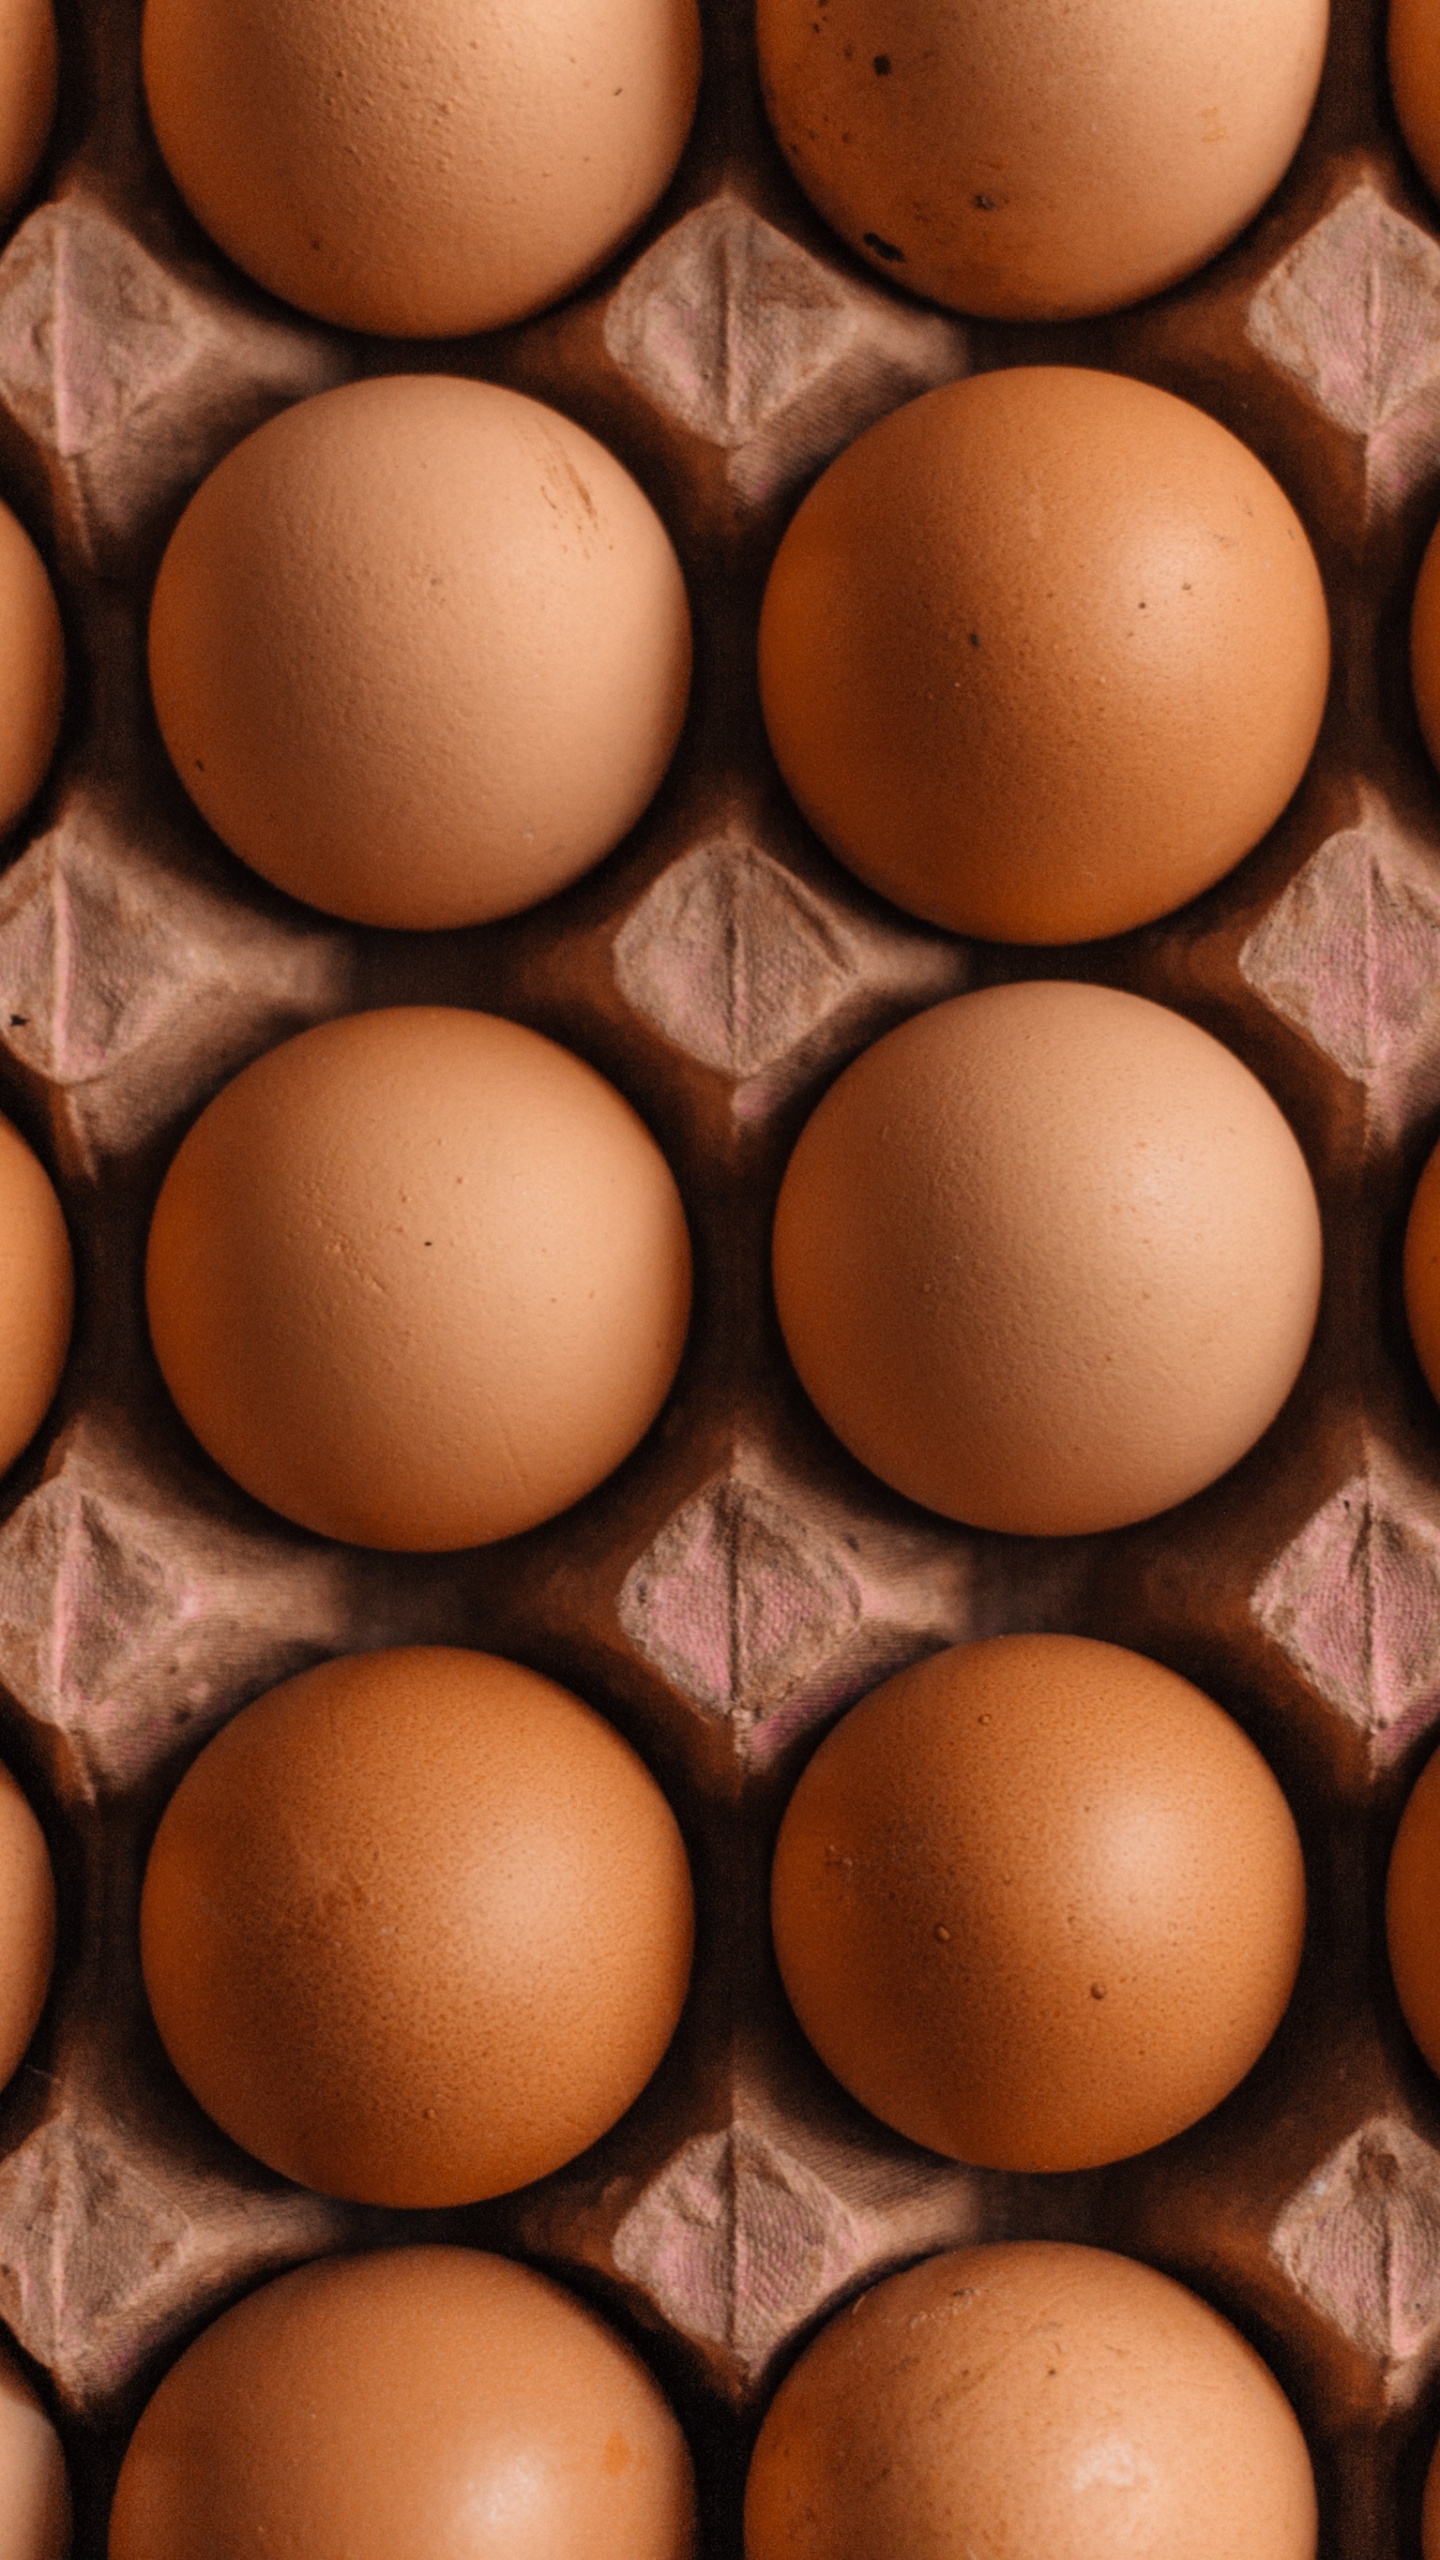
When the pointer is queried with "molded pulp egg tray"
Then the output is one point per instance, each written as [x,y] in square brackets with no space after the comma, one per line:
[740,1579]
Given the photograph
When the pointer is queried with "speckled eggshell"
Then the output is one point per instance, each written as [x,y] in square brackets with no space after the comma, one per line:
[1044,158]
[1043,654]
[416,1927]
[417,2404]
[32,669]
[27,1928]
[37,1293]
[1038,1903]
[422,172]
[34,2492]
[420,651]
[1031,2397]
[28,73]
[1415,82]
[418,1278]
[1047,1258]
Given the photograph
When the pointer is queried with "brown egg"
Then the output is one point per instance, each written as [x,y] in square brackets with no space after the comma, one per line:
[1412,1913]
[34,2492]
[420,651]
[1047,1258]
[1422,1269]
[28,70]
[418,1278]
[1038,1903]
[416,1927]
[424,172]
[418,2404]
[1425,624]
[27,1929]
[1415,80]
[37,1293]
[1044,654]
[1052,158]
[1029,2398]
[32,669]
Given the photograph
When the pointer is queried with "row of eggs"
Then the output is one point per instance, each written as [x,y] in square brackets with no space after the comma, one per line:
[1046,1258]
[1016,2397]
[1042,655]
[417,1926]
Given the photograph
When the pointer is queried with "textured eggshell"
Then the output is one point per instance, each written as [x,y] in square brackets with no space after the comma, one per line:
[32,669]
[1024,2399]
[37,1293]
[1041,158]
[1044,654]
[420,651]
[28,72]
[1038,1903]
[1412,1912]
[422,172]
[418,2404]
[34,2493]
[418,1278]
[1047,1258]
[27,1928]
[416,1927]
[1415,81]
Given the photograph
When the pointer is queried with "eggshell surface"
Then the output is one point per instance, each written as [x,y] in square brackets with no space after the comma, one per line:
[37,1293]
[1044,654]
[1030,2397]
[421,172]
[417,2404]
[1412,1913]
[1425,647]
[416,1927]
[32,669]
[420,651]
[1047,1258]
[1038,1903]
[1040,159]
[34,2492]
[418,1278]
[27,1928]
[1415,82]
[28,72]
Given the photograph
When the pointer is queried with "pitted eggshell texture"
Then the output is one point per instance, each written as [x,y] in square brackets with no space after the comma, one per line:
[37,1293]
[1047,1258]
[34,2492]
[416,1927]
[420,651]
[1033,2396]
[425,171]
[418,1278]
[28,71]
[32,669]
[1044,654]
[27,1928]
[1039,159]
[410,2404]
[1038,1903]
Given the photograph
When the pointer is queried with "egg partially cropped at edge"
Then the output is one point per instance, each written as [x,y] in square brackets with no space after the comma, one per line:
[1047,159]
[426,171]
[29,68]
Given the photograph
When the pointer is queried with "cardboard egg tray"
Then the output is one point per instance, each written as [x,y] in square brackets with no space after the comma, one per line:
[739,1580]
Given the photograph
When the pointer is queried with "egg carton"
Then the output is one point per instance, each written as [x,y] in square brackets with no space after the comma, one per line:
[740,1580]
